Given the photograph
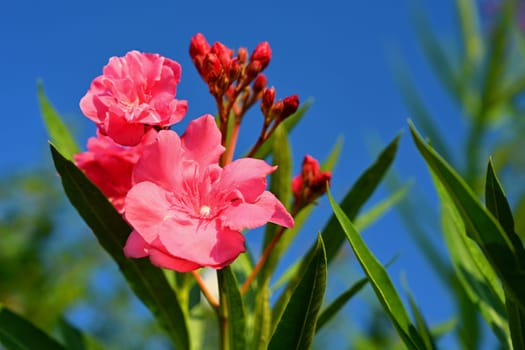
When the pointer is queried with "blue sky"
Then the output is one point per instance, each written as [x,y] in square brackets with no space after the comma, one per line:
[337,52]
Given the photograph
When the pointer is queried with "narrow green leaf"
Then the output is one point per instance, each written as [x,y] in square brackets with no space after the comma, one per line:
[498,205]
[280,179]
[356,197]
[380,281]
[147,281]
[332,233]
[421,324]
[263,318]
[57,130]
[232,308]
[470,31]
[335,306]
[17,333]
[296,328]
[72,337]
[289,124]
[480,224]
[475,275]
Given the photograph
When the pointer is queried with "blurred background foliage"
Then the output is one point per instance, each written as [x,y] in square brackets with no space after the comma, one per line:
[68,278]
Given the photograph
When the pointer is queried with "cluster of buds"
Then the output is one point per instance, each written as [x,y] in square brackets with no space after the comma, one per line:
[224,73]
[310,184]
[279,110]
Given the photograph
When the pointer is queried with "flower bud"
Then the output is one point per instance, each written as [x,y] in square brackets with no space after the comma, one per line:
[290,105]
[262,54]
[211,68]
[259,83]
[267,100]
[198,46]
[311,183]
[223,53]
[242,55]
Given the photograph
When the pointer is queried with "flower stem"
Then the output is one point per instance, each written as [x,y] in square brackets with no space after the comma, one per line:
[262,260]
[204,288]
[230,149]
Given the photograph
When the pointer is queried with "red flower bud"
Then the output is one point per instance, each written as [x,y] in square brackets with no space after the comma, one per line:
[310,184]
[267,100]
[290,105]
[259,83]
[211,68]
[198,46]
[262,54]
[242,55]
[223,53]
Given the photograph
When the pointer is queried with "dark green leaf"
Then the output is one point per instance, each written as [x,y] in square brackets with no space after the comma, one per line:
[421,324]
[497,203]
[289,124]
[147,281]
[72,337]
[296,328]
[17,333]
[57,130]
[262,326]
[334,307]
[380,281]
[480,224]
[232,308]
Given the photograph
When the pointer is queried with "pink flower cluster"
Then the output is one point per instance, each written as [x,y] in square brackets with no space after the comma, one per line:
[186,210]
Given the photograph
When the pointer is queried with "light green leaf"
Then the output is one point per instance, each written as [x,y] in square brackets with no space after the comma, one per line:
[57,130]
[232,308]
[480,224]
[263,318]
[17,333]
[330,162]
[296,328]
[148,282]
[380,281]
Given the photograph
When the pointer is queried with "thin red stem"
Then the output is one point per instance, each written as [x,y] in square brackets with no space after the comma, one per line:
[204,288]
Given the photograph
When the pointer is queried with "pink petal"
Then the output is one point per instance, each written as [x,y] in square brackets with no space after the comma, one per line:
[250,215]
[160,161]
[202,141]
[203,242]
[146,209]
[136,246]
[167,261]
[248,175]
[123,132]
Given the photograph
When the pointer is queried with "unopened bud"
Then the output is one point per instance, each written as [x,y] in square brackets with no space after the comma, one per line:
[290,105]
[211,68]
[267,99]
[262,54]
[259,84]
[242,55]
[223,53]
[198,46]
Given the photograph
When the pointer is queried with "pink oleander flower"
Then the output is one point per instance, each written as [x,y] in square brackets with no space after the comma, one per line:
[109,165]
[311,183]
[134,93]
[187,212]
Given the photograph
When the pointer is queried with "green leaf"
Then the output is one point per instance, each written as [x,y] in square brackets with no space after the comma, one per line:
[498,205]
[470,31]
[380,281]
[296,328]
[480,224]
[72,337]
[330,162]
[421,324]
[289,124]
[147,282]
[335,306]
[17,333]
[232,308]
[57,130]
[263,318]
[356,197]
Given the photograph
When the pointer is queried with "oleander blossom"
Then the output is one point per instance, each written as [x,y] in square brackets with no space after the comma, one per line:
[135,93]
[187,212]
[110,165]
